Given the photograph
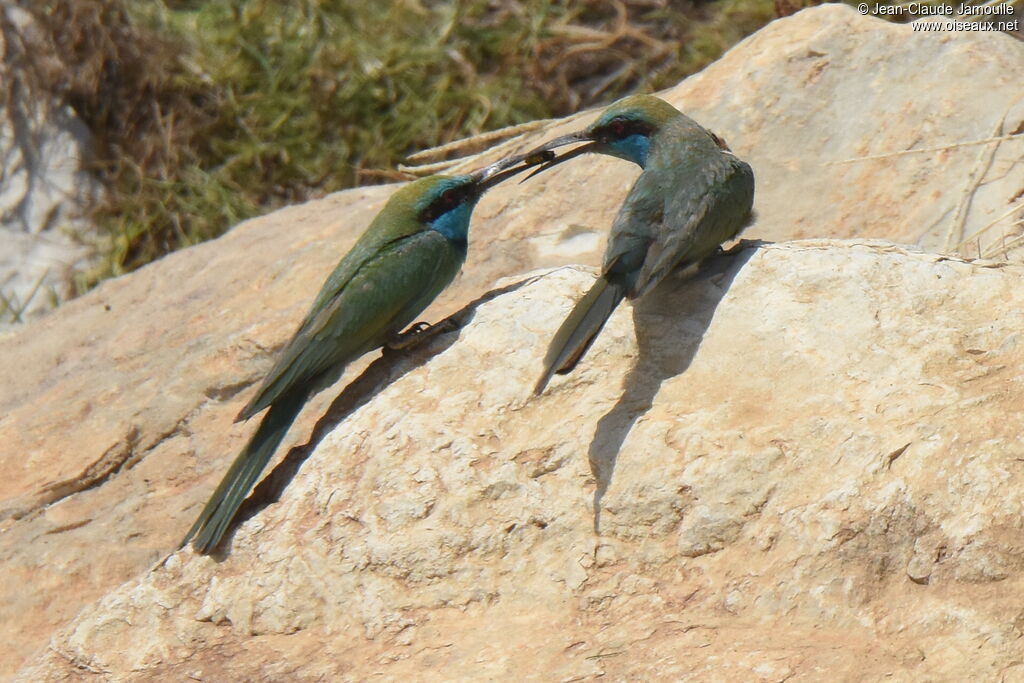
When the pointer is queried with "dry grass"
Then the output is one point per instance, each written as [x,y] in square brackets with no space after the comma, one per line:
[209,112]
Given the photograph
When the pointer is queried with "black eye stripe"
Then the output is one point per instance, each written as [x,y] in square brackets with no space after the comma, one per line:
[445,202]
[620,128]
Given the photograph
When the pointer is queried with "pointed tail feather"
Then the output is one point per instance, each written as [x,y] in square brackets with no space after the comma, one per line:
[580,329]
[224,503]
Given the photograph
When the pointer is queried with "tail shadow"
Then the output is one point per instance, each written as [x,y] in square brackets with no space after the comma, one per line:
[670,323]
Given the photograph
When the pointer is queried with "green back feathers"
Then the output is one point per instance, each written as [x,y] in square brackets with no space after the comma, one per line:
[394,222]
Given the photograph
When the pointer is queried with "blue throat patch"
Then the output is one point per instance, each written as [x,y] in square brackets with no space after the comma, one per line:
[454,225]
[634,148]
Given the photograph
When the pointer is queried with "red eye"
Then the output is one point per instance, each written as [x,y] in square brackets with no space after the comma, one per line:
[450,197]
[618,126]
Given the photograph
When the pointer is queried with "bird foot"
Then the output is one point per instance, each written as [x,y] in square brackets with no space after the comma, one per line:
[418,334]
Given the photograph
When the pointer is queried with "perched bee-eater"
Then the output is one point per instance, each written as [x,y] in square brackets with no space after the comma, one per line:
[693,195]
[411,251]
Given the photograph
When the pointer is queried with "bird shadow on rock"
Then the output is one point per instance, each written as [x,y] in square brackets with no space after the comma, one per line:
[670,323]
[388,368]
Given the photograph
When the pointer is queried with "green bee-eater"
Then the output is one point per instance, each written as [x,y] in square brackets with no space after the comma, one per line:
[411,251]
[693,195]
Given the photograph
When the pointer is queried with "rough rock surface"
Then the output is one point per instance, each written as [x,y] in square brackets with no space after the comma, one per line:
[43,187]
[807,459]
[115,423]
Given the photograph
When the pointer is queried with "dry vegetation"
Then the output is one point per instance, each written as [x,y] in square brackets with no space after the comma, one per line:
[208,112]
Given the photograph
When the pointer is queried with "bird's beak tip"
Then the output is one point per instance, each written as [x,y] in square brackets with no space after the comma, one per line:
[560,141]
[489,176]
[553,159]
[540,158]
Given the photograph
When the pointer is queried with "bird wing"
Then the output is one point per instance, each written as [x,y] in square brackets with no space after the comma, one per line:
[379,296]
[637,233]
[391,225]
[692,222]
[635,228]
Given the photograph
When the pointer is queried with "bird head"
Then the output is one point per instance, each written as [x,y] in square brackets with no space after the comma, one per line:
[623,130]
[445,203]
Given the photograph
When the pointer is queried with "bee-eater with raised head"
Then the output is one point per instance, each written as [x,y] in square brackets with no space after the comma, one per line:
[411,251]
[692,195]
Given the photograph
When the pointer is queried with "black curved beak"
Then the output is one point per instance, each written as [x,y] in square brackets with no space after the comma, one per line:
[503,169]
[579,136]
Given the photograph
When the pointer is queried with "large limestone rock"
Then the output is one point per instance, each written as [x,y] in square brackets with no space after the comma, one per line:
[762,516]
[806,460]
[44,188]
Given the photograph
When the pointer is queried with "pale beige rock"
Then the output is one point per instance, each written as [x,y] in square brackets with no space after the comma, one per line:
[461,515]
[44,186]
[811,455]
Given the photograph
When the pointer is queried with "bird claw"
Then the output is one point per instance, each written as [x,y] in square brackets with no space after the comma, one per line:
[418,334]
